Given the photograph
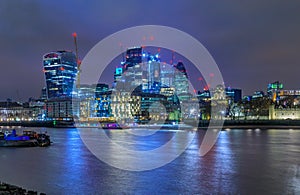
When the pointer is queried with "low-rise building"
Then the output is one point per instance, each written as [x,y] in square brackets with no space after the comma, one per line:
[15,111]
[283,113]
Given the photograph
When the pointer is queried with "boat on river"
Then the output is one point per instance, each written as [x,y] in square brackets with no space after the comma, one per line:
[112,125]
[27,139]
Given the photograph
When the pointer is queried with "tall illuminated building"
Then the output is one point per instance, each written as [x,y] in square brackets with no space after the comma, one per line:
[103,100]
[152,73]
[139,77]
[142,81]
[167,75]
[60,70]
[140,71]
[85,96]
[181,83]
[273,90]
[133,68]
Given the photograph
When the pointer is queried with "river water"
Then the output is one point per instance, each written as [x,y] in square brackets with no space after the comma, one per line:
[241,162]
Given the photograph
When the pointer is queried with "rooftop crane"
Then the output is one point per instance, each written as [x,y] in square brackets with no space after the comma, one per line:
[78,61]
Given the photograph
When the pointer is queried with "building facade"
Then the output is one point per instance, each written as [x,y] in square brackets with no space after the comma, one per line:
[60,70]
[283,113]
[273,89]
[103,100]
[233,95]
[60,109]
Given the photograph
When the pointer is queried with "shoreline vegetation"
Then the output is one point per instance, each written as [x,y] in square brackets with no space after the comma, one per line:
[7,189]
[241,124]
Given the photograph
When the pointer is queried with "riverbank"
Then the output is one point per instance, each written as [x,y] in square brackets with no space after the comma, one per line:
[52,124]
[263,124]
[282,124]
[7,189]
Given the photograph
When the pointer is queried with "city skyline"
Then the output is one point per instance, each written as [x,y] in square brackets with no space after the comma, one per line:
[149,97]
[254,43]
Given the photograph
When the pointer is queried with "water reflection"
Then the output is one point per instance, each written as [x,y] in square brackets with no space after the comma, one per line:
[242,161]
[136,150]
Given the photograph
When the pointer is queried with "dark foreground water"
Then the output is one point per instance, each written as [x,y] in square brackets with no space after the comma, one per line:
[241,162]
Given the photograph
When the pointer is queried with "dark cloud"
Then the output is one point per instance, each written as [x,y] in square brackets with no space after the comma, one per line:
[253,42]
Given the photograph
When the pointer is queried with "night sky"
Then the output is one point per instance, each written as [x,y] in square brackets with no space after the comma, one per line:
[253,42]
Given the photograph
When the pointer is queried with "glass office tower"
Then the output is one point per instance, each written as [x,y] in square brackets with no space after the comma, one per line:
[60,73]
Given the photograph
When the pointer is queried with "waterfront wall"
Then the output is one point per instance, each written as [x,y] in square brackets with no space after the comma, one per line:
[284,113]
[202,123]
[56,124]
[257,123]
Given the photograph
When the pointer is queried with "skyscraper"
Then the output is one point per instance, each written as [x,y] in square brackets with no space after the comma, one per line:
[134,56]
[273,89]
[103,100]
[167,75]
[152,74]
[144,83]
[133,68]
[60,73]
[140,71]
[181,83]
[60,70]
